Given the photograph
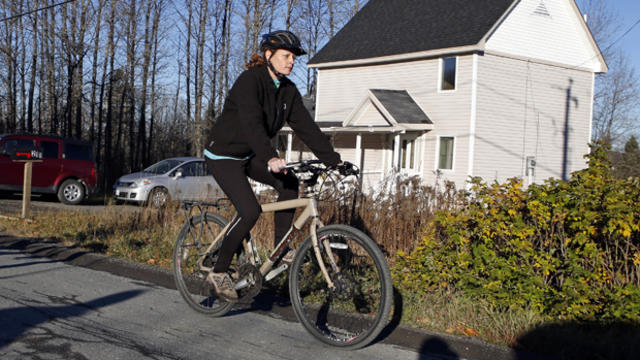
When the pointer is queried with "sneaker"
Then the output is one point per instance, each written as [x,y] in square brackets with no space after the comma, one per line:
[223,286]
[289,256]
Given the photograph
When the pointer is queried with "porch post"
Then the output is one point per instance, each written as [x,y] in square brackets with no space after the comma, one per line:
[396,152]
[358,151]
[289,142]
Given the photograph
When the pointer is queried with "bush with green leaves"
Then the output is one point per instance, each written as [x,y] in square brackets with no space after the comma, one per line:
[566,250]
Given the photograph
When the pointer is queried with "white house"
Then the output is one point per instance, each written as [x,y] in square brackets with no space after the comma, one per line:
[448,89]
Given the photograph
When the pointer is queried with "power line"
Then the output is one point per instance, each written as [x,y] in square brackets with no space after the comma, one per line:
[612,44]
[623,35]
[35,10]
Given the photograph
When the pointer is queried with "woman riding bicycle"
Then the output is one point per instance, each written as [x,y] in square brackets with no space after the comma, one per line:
[259,104]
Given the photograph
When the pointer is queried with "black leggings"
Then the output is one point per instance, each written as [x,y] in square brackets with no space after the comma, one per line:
[231,175]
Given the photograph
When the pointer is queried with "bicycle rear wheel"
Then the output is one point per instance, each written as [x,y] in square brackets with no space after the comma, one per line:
[193,240]
[352,315]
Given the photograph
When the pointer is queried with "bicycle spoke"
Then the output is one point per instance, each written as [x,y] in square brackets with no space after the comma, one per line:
[354,312]
[193,241]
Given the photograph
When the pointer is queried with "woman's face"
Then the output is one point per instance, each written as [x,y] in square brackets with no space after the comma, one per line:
[282,60]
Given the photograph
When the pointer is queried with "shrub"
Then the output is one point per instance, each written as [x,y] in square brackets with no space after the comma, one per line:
[566,250]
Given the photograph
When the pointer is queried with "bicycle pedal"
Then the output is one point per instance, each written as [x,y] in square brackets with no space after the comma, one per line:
[275,272]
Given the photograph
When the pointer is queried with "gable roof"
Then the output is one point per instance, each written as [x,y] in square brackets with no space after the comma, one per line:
[383,28]
[387,111]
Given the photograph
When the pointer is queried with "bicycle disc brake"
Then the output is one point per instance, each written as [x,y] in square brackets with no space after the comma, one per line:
[249,282]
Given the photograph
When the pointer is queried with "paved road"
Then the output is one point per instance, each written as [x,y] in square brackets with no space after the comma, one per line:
[51,310]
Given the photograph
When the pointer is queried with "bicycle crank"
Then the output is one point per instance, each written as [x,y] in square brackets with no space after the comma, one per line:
[249,282]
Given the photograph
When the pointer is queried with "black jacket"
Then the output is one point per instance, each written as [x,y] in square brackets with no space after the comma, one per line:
[255,111]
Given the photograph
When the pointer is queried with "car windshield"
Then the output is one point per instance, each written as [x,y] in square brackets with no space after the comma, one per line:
[163,166]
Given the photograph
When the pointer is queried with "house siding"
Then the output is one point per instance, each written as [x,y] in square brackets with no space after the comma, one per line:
[340,90]
[521,111]
[558,37]
[370,115]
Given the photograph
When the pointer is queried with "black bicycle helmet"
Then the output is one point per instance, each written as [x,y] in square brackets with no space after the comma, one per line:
[282,39]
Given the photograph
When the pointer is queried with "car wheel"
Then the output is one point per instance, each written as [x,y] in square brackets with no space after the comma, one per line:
[71,192]
[158,197]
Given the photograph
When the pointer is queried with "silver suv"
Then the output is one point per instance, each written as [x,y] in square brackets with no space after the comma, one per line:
[182,178]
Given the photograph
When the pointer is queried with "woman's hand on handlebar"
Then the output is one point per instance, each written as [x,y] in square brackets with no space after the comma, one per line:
[276,164]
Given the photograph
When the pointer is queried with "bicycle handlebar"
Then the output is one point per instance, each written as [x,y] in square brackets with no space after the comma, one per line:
[313,166]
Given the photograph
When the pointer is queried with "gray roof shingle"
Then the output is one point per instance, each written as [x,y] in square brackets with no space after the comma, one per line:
[391,27]
[401,106]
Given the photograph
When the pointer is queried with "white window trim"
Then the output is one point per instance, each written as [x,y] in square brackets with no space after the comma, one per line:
[453,156]
[413,146]
[441,75]
[317,99]
[473,117]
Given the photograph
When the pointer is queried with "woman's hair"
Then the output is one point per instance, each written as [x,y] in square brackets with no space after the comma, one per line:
[256,60]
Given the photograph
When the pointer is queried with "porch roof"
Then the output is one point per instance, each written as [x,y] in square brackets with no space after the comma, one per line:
[381,111]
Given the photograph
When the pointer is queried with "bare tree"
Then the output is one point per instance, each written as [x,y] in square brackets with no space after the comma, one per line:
[10,64]
[617,93]
[34,66]
[616,101]
[187,50]
[94,68]
[203,14]
[254,20]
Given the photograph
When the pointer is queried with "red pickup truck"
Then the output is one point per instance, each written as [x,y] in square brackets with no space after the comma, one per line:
[67,169]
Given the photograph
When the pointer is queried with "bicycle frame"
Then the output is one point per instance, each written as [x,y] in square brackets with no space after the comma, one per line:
[310,212]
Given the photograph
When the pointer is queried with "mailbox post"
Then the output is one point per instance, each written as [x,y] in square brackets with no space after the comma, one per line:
[27,155]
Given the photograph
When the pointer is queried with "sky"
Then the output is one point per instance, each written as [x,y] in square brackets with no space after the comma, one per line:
[630,12]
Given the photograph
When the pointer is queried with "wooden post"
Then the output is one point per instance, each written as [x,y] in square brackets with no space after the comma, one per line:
[26,189]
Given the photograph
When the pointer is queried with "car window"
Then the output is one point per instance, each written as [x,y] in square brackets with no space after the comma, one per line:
[49,149]
[11,143]
[190,169]
[200,168]
[162,166]
[78,151]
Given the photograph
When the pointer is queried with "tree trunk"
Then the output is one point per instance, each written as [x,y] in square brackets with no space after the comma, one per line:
[146,59]
[94,73]
[131,66]
[199,76]
[156,22]
[108,156]
[188,74]
[34,66]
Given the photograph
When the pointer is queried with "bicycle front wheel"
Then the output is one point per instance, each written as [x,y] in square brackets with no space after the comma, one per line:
[194,239]
[355,312]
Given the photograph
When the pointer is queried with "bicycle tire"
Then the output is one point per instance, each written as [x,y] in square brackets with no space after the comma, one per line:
[355,314]
[189,280]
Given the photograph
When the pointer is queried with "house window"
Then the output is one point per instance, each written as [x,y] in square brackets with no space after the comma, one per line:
[407,154]
[448,68]
[445,156]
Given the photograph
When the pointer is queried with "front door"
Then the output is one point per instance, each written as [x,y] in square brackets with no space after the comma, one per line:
[46,171]
[187,185]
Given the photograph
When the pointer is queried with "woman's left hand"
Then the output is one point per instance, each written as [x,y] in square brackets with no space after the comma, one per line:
[275,164]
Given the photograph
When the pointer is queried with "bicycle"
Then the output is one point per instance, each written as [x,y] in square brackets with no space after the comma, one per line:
[339,284]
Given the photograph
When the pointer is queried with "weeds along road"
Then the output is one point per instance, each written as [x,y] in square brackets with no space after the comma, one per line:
[51,310]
